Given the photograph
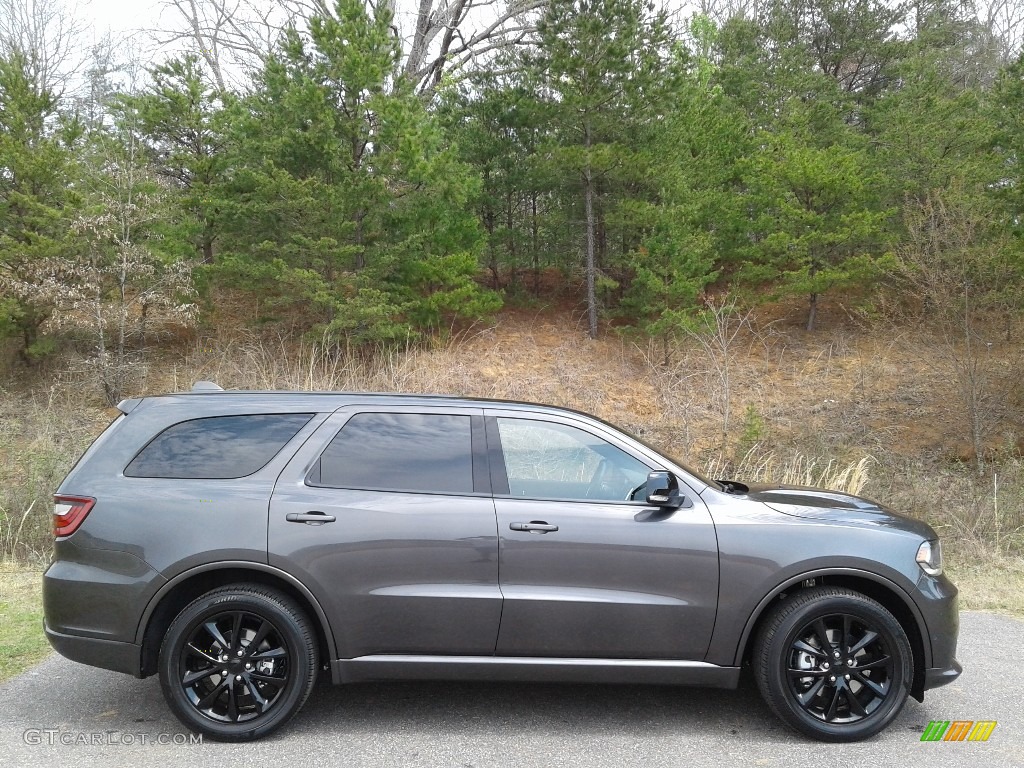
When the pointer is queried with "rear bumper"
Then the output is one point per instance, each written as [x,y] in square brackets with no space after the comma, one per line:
[107,654]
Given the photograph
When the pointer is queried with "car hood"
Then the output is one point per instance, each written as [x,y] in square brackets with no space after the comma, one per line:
[822,504]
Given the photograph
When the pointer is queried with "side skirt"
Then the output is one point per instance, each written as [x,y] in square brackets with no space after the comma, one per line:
[530,669]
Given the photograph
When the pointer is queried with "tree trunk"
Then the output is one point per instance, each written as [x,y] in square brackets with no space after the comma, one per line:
[812,313]
[974,385]
[143,316]
[29,335]
[588,195]
[358,237]
[510,226]
[536,245]
[588,198]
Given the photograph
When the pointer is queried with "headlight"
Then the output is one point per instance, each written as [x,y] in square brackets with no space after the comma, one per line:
[929,557]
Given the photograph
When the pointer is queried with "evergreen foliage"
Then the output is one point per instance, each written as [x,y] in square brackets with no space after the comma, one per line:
[640,165]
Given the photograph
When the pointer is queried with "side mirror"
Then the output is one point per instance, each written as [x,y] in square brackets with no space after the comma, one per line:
[663,490]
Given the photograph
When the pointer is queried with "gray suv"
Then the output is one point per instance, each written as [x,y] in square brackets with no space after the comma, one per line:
[238,543]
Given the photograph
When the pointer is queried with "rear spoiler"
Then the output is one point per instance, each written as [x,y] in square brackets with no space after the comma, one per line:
[127,406]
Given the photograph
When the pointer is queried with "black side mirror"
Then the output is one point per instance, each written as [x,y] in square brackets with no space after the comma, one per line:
[663,490]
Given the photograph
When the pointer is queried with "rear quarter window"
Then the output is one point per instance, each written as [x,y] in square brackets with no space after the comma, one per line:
[216,448]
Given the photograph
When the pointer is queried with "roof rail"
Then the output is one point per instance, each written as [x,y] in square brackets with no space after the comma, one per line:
[207,386]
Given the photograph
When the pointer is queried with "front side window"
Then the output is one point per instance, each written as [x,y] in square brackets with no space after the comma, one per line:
[217,448]
[427,453]
[547,460]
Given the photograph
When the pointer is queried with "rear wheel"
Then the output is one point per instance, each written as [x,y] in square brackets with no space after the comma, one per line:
[238,662]
[833,664]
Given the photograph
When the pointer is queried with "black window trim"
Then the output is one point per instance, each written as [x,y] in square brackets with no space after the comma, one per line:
[478,451]
[309,414]
[499,472]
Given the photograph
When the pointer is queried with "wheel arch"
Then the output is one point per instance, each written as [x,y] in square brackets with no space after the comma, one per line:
[188,585]
[880,589]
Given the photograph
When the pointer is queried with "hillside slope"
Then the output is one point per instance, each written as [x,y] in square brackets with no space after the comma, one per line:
[878,413]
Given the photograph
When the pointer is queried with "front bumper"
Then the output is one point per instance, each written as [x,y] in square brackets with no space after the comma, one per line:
[939,676]
[937,598]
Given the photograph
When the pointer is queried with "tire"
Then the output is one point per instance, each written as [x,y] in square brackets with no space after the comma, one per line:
[847,691]
[238,662]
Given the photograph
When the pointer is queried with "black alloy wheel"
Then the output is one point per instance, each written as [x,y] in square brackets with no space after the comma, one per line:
[833,664]
[238,662]
[839,669]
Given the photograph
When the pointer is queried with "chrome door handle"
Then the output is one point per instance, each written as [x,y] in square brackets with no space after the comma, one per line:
[534,526]
[309,518]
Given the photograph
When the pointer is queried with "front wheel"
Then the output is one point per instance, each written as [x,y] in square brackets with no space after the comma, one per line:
[833,664]
[238,662]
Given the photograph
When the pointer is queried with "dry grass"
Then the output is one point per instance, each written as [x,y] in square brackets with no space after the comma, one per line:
[993,584]
[982,518]
[40,439]
[797,469]
[22,642]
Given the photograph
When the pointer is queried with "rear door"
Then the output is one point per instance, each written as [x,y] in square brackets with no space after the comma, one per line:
[386,515]
[588,569]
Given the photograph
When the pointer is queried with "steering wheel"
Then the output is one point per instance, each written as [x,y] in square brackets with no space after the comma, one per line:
[632,494]
[598,481]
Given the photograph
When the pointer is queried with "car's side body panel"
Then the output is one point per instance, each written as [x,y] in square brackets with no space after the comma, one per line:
[143,532]
[616,579]
[534,669]
[398,572]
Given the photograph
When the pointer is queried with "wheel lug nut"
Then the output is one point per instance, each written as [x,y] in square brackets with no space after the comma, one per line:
[825,665]
[224,672]
[836,654]
[248,666]
[847,677]
[239,652]
[832,678]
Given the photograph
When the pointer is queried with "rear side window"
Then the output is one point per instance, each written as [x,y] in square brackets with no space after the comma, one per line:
[428,453]
[217,448]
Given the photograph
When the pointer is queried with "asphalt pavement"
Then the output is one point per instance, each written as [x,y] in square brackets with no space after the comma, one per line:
[62,713]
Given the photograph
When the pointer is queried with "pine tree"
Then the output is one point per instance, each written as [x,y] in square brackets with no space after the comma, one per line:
[693,158]
[184,124]
[819,226]
[344,193]
[38,271]
[604,68]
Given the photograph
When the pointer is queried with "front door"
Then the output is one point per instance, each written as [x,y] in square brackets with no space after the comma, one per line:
[587,568]
[386,515]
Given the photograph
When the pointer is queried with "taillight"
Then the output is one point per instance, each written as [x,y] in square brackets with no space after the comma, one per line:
[69,512]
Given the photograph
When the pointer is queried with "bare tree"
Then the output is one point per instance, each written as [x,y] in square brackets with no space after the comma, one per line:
[123,279]
[720,11]
[48,34]
[232,36]
[438,36]
[1003,20]
[718,330]
[448,35]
